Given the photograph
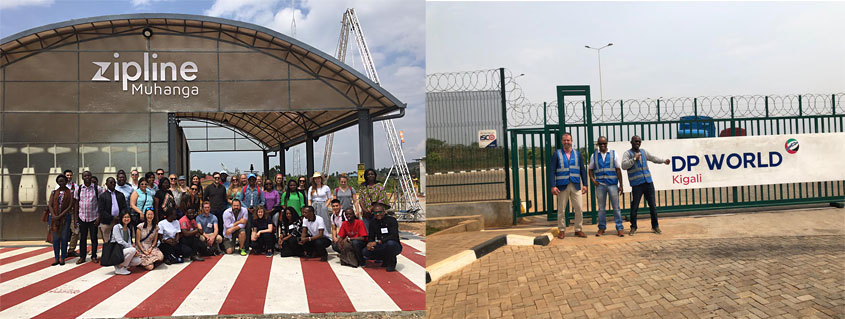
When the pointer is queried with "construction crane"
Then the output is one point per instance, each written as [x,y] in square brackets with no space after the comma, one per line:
[413,210]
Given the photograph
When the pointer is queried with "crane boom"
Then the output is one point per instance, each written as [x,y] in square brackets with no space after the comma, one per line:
[351,24]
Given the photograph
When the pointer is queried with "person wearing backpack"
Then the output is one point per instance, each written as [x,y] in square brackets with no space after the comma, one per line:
[110,204]
[86,209]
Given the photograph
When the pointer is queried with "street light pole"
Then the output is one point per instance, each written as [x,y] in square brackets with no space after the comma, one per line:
[601,88]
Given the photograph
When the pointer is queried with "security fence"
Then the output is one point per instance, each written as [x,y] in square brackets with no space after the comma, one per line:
[660,119]
[463,108]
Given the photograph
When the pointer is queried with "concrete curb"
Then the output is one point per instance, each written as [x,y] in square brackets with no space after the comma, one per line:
[466,257]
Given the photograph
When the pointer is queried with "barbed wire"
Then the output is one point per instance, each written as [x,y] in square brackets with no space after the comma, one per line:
[521,112]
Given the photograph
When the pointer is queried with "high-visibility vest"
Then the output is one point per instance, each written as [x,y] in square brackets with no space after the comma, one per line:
[568,170]
[606,169]
[639,173]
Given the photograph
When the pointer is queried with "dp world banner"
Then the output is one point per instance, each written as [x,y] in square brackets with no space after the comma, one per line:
[743,161]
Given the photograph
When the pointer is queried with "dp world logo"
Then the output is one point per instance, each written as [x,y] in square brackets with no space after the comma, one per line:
[791,146]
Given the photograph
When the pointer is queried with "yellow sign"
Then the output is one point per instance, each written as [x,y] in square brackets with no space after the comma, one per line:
[360,173]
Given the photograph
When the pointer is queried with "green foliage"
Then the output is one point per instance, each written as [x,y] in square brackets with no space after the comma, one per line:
[443,157]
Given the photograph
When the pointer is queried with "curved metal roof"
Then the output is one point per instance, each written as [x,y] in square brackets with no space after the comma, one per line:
[274,129]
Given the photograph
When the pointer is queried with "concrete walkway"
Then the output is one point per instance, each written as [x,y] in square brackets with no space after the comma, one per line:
[769,264]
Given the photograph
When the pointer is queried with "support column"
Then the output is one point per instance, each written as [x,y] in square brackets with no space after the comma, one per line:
[282,162]
[309,153]
[266,172]
[366,150]
[173,143]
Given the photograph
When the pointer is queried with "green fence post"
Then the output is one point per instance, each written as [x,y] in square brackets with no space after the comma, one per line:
[695,107]
[621,112]
[766,99]
[547,140]
[505,130]
[515,167]
[800,107]
[590,149]
[658,110]
[733,133]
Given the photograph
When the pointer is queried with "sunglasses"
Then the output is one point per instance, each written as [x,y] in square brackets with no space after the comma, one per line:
[134,174]
[172,178]
[193,188]
[159,174]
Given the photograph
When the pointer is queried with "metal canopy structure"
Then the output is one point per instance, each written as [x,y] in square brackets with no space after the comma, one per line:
[284,91]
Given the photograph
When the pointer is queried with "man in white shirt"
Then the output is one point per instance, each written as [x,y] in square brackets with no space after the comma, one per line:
[123,186]
[315,238]
[233,228]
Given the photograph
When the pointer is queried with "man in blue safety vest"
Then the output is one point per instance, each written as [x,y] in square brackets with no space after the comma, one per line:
[606,175]
[567,173]
[635,161]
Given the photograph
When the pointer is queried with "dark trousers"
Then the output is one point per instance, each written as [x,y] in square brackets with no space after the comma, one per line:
[195,244]
[317,247]
[264,243]
[87,229]
[291,248]
[60,240]
[172,252]
[386,252]
[220,228]
[637,193]
[357,246]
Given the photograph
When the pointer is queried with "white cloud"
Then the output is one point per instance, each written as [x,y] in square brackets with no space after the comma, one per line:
[9,4]
[395,34]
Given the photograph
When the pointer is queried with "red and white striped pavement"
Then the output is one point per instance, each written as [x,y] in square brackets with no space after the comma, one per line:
[229,284]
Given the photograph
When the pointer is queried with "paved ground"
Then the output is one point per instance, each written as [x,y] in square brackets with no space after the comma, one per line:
[451,244]
[230,284]
[775,264]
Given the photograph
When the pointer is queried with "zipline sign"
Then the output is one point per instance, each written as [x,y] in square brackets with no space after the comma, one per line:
[743,160]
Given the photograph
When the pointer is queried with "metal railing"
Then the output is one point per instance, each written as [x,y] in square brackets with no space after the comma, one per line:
[661,119]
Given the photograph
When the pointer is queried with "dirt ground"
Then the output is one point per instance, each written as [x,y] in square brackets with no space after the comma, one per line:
[414,227]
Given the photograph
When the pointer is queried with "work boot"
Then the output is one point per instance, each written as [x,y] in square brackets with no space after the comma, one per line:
[632,232]
[580,234]
[619,233]
[656,230]
[600,232]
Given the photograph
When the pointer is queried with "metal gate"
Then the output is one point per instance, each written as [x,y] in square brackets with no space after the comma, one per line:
[659,119]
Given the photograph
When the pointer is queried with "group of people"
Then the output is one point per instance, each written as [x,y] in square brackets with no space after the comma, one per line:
[568,181]
[161,218]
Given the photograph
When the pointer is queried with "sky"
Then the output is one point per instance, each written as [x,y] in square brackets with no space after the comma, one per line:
[660,49]
[394,30]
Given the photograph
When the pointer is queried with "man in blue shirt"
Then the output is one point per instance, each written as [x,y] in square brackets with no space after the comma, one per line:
[210,232]
[251,198]
[565,176]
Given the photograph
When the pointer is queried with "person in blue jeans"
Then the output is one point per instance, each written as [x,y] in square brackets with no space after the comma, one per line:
[60,205]
[607,177]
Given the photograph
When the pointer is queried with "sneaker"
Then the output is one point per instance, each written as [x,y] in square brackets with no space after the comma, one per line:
[55,263]
[167,261]
[178,260]
[632,232]
[243,252]
[122,271]
[656,230]
[391,269]
[72,254]
[196,258]
[270,254]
